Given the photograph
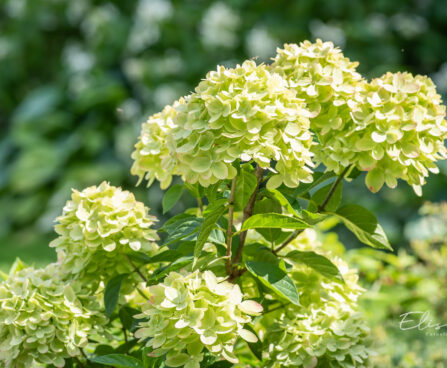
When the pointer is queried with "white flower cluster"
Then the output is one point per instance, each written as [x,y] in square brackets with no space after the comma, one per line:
[193,312]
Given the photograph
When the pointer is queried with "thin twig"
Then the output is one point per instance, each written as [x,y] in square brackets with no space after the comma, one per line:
[79,362]
[333,188]
[276,308]
[248,211]
[228,264]
[125,334]
[292,237]
[320,209]
[136,269]
[141,293]
[200,205]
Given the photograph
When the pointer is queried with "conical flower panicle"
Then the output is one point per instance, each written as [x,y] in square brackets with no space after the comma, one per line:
[99,227]
[195,312]
[245,113]
[43,319]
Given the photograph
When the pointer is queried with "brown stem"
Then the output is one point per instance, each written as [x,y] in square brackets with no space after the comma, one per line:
[248,211]
[136,269]
[228,264]
[237,273]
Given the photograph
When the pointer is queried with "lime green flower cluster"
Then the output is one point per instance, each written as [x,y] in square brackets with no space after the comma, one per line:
[245,113]
[152,157]
[99,227]
[328,82]
[326,330]
[399,131]
[393,127]
[188,313]
[43,319]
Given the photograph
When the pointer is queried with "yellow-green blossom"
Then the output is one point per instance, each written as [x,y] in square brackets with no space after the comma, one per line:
[43,319]
[326,330]
[100,226]
[245,113]
[188,313]
[328,83]
[152,157]
[399,131]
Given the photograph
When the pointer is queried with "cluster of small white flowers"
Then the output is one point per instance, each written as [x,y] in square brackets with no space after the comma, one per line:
[188,313]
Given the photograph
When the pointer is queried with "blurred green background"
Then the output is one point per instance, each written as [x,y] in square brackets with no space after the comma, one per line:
[77,78]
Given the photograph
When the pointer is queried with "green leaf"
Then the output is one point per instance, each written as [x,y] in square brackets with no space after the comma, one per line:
[126,315]
[274,221]
[125,347]
[209,223]
[313,218]
[255,347]
[245,186]
[274,278]
[284,202]
[193,189]
[112,293]
[103,350]
[321,194]
[319,178]
[166,256]
[184,226]
[173,266]
[171,197]
[118,361]
[363,224]
[316,261]
[211,192]
[221,364]
[268,205]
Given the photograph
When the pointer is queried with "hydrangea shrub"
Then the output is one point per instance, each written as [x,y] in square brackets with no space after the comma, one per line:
[248,278]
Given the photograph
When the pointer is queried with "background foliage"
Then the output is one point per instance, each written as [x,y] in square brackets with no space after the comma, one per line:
[78,78]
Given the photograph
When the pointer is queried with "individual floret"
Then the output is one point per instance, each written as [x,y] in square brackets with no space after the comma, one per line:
[193,312]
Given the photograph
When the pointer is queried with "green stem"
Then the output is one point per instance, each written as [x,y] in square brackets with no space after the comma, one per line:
[141,293]
[136,269]
[288,241]
[125,334]
[228,264]
[333,188]
[200,205]
[248,211]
